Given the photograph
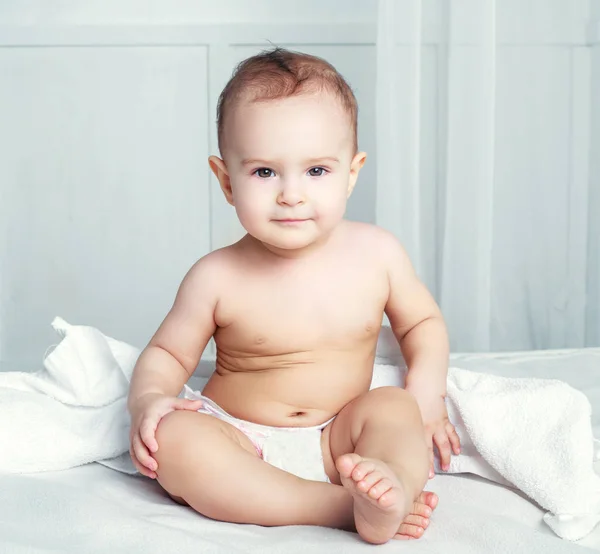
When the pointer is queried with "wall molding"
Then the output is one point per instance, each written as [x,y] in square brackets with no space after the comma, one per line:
[235,34]
[186,35]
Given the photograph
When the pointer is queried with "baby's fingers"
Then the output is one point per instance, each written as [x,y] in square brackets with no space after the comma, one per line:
[187,404]
[454,438]
[142,455]
[147,431]
[141,468]
[429,442]
[441,440]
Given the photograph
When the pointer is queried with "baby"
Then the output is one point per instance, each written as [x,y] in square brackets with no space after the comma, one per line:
[286,431]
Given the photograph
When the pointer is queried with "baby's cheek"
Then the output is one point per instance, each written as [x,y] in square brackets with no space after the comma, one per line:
[336,208]
[246,215]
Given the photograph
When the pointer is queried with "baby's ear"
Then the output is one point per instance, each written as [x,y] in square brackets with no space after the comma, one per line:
[355,166]
[218,167]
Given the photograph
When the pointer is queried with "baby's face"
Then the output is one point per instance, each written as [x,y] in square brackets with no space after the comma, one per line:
[291,168]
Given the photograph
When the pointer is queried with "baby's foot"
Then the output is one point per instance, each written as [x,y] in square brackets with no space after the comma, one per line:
[417,520]
[380,503]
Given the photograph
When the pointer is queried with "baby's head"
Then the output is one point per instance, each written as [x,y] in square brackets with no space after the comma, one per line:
[288,141]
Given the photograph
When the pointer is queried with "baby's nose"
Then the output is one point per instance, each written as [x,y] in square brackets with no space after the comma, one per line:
[290,194]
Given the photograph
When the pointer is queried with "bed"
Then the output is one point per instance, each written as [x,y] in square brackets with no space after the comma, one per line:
[97,510]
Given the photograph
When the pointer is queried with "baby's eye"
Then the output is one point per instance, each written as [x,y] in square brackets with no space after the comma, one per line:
[317,171]
[264,172]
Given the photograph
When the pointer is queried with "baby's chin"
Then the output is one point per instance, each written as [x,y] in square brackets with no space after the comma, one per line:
[290,246]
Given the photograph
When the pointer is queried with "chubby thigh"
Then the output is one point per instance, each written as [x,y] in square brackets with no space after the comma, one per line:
[214,468]
[183,437]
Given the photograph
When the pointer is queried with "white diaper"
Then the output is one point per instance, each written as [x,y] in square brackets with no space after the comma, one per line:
[296,450]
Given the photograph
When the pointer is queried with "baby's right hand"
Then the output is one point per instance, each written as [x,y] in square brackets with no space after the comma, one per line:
[145,417]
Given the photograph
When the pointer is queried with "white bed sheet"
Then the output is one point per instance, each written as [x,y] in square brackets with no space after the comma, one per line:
[93,509]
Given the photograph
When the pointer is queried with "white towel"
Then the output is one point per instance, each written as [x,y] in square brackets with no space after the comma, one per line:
[532,434]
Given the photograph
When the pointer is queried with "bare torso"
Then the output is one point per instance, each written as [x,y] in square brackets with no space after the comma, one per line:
[296,338]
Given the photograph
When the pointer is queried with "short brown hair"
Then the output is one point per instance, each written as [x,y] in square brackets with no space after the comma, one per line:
[280,73]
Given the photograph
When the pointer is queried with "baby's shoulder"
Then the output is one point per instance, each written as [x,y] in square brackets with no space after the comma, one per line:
[213,267]
[371,237]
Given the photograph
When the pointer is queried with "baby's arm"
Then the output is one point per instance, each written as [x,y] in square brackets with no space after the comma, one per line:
[169,360]
[418,325]
[416,321]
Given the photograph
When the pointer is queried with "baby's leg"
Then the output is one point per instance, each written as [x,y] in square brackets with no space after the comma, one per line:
[214,468]
[378,445]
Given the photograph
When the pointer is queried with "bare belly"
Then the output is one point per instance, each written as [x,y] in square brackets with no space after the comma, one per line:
[291,391]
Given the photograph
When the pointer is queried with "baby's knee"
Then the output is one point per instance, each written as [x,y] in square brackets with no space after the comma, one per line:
[176,435]
[392,395]
[393,400]
[171,427]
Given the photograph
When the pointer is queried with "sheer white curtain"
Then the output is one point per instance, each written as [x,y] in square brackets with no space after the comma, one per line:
[482,157]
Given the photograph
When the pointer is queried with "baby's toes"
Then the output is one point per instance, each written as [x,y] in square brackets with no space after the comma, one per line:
[362,469]
[421,509]
[408,531]
[429,498]
[365,484]
[412,527]
[379,489]
[417,521]
[346,463]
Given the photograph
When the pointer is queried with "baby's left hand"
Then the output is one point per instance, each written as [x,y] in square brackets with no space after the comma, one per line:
[438,429]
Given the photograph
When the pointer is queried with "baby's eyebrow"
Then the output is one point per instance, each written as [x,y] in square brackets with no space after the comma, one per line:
[312,161]
[255,161]
[316,161]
